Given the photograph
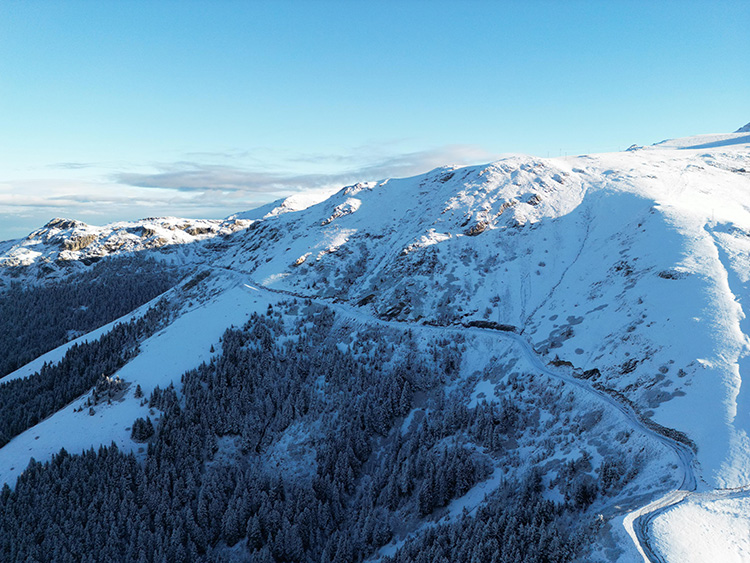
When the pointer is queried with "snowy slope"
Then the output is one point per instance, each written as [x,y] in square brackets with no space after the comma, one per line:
[166,355]
[630,268]
[295,202]
[739,137]
[699,530]
[634,264]
[163,359]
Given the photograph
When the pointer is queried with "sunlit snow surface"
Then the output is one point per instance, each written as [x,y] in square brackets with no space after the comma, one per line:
[702,530]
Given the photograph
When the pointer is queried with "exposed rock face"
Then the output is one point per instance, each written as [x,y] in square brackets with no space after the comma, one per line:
[60,223]
[78,242]
[69,244]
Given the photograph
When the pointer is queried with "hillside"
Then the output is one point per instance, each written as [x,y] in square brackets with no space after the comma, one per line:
[572,325]
[633,264]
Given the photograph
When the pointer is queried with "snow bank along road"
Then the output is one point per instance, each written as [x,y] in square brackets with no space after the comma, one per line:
[637,522]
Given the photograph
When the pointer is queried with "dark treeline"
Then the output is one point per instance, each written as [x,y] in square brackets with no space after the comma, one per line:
[515,524]
[217,486]
[35,320]
[25,402]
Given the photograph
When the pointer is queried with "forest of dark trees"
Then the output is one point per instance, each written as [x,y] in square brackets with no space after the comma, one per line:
[515,524]
[216,485]
[37,319]
[26,401]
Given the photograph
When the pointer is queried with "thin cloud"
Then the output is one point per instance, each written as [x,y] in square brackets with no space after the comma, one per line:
[72,165]
[196,176]
[104,193]
[187,176]
[409,164]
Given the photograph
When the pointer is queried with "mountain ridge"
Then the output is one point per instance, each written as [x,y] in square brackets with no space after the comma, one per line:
[62,247]
[629,270]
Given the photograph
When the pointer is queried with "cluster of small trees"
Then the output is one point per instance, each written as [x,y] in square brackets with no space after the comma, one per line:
[142,429]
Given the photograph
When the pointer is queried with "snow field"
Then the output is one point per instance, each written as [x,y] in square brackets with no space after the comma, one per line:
[704,529]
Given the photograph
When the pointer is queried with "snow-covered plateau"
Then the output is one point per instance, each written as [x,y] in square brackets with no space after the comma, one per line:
[613,283]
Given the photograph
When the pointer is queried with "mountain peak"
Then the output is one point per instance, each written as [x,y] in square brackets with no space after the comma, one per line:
[745,129]
[62,223]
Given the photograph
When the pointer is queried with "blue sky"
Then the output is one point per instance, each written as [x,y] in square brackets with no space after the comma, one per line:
[119,110]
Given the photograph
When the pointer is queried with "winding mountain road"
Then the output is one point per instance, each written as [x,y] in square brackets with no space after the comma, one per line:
[637,523]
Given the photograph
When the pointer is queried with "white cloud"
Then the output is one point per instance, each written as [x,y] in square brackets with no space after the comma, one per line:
[200,187]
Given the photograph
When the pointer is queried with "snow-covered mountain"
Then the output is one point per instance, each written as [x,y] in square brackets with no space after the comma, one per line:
[619,278]
[611,262]
[62,244]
